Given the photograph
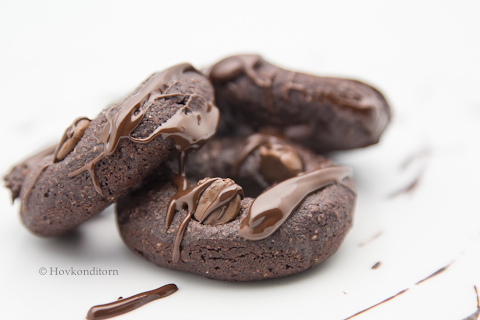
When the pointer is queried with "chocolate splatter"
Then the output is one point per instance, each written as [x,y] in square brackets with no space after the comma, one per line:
[476,314]
[388,299]
[124,305]
[376,265]
[425,152]
[435,273]
[410,187]
[378,234]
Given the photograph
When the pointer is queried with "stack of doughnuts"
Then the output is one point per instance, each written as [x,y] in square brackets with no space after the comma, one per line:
[217,172]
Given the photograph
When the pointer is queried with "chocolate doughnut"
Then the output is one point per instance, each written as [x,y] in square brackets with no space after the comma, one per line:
[323,114]
[97,161]
[292,226]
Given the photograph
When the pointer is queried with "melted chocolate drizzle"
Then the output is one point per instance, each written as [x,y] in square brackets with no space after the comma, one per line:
[233,66]
[270,209]
[66,135]
[190,198]
[348,98]
[253,142]
[189,129]
[124,305]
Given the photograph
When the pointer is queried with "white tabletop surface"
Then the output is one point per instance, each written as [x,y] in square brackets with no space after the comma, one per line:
[63,59]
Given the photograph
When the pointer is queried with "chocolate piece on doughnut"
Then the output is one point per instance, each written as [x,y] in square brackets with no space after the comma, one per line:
[305,234]
[324,114]
[242,160]
[118,149]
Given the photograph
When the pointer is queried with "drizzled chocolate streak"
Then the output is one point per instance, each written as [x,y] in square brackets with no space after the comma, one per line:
[191,198]
[68,134]
[434,274]
[189,129]
[124,305]
[230,67]
[253,142]
[347,99]
[388,299]
[270,209]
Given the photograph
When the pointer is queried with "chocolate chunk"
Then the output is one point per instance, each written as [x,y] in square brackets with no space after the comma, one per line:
[279,162]
[211,196]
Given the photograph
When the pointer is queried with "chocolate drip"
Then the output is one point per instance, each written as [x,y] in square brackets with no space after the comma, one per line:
[124,305]
[253,142]
[68,134]
[233,66]
[270,209]
[191,198]
[189,129]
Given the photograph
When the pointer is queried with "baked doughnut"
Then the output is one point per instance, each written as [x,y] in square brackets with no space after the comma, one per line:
[323,114]
[289,228]
[97,161]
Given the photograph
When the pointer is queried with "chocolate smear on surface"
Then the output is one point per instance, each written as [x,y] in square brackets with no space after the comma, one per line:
[388,299]
[124,305]
[274,206]
[190,198]
[67,143]
[378,234]
[435,273]
[376,265]
[476,314]
[409,188]
[189,129]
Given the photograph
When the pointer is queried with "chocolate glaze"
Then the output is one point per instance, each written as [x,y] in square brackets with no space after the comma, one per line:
[231,67]
[66,135]
[190,198]
[189,129]
[349,99]
[124,305]
[270,209]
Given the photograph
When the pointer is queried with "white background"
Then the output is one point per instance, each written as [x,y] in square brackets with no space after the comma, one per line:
[63,59]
